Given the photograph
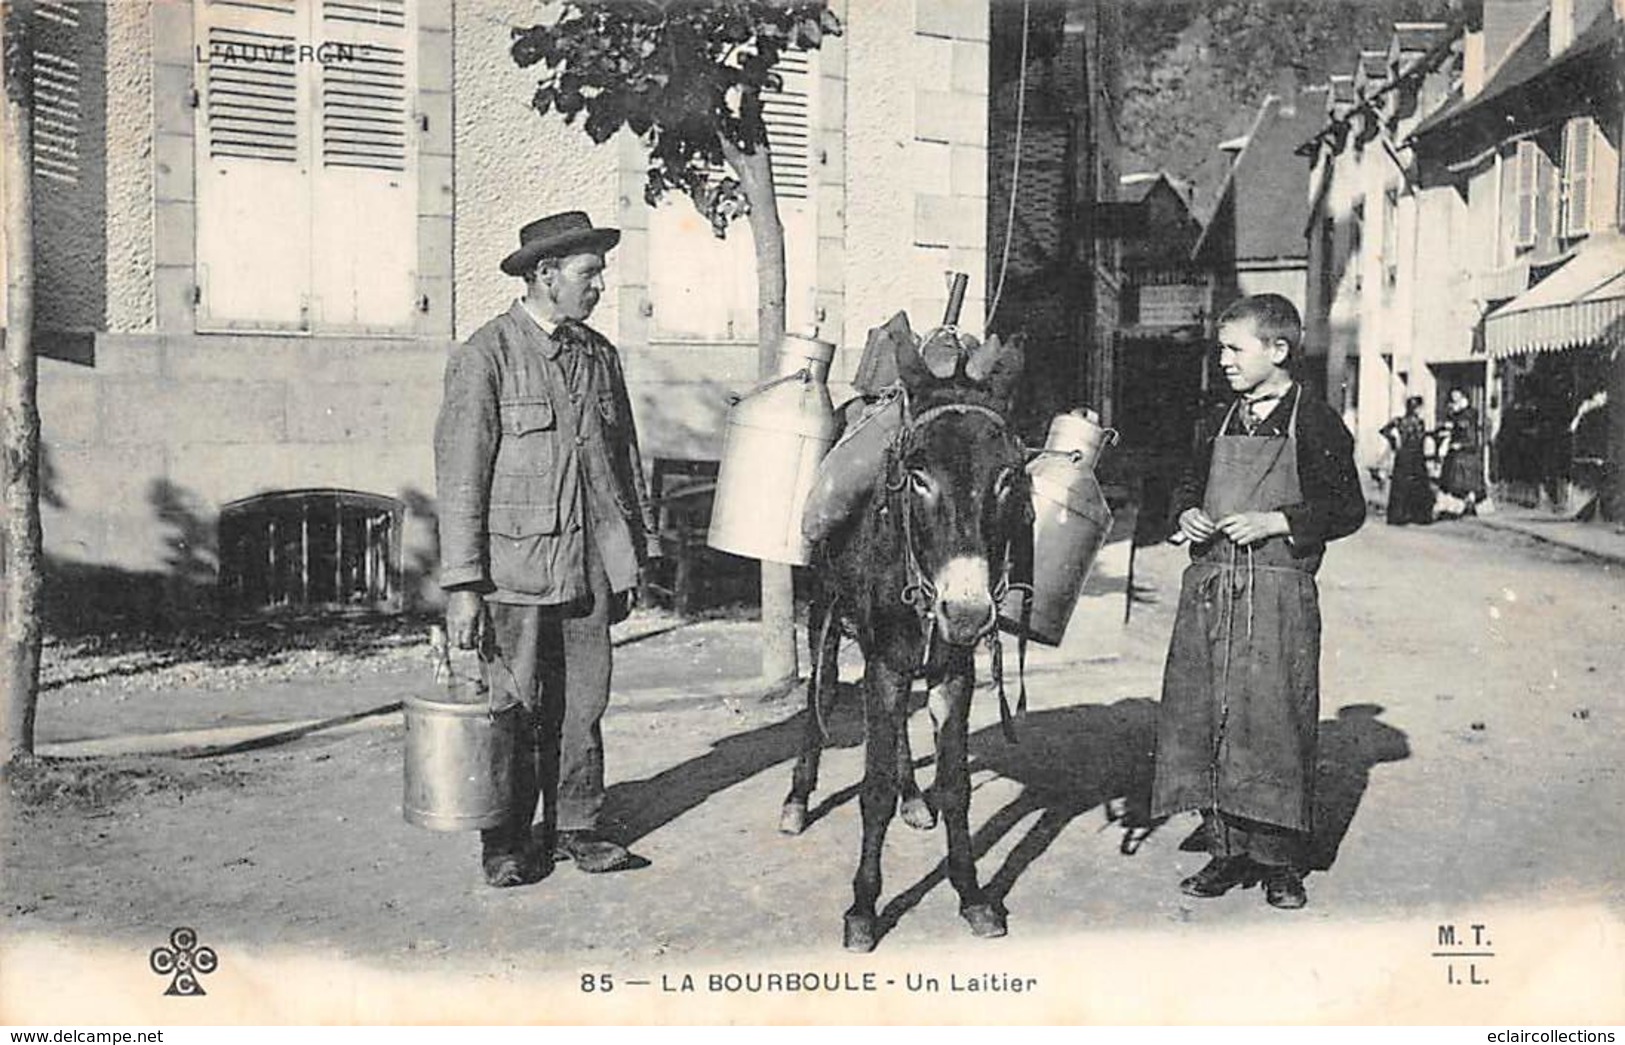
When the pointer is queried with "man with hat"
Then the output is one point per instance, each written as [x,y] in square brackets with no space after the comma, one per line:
[543,532]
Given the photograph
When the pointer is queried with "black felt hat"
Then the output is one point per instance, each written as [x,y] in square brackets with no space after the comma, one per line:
[558,236]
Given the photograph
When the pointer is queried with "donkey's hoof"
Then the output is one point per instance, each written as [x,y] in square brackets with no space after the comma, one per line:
[793,818]
[860,936]
[986,920]
[918,814]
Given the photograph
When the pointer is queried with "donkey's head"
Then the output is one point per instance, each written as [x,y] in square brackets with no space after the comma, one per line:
[957,473]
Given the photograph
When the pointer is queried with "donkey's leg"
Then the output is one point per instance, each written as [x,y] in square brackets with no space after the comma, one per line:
[823,648]
[953,793]
[884,704]
[914,807]
[804,777]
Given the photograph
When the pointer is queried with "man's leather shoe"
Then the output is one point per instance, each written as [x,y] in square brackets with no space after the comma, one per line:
[591,853]
[1283,888]
[1222,874]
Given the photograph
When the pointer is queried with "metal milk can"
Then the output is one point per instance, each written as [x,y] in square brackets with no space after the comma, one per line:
[1070,523]
[775,437]
[459,753]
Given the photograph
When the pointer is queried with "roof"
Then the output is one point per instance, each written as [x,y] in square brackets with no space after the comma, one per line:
[1134,188]
[1523,63]
[1268,186]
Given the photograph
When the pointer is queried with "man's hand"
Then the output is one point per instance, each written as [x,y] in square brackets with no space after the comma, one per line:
[1197,527]
[1251,527]
[465,619]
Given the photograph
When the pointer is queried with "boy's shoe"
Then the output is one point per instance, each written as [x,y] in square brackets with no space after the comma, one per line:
[1283,888]
[1222,874]
[506,870]
[590,853]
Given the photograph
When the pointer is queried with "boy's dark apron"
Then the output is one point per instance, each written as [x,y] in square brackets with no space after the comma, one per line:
[1241,692]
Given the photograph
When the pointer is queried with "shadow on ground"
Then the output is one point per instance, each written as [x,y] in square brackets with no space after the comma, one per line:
[1068,762]
[1351,745]
[638,808]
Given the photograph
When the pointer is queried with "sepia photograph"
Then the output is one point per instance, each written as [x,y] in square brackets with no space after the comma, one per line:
[1101,513]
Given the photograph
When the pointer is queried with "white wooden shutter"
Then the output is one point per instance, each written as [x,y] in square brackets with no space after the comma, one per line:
[58,96]
[253,186]
[365,181]
[1577,147]
[1525,232]
[702,288]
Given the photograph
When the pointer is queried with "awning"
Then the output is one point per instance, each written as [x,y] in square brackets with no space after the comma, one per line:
[1581,303]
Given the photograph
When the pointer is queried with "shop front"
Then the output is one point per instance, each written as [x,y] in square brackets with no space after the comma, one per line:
[1558,365]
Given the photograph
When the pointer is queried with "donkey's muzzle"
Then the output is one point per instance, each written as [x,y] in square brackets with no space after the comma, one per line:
[964,606]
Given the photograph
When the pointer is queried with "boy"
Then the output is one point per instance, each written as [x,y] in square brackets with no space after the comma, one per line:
[1272,481]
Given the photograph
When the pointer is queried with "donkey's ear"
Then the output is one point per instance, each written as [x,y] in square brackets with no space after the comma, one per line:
[996,364]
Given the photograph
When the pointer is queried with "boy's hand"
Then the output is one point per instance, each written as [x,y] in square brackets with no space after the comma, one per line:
[1195,524]
[1251,527]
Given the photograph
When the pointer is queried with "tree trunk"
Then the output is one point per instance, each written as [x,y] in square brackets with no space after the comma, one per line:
[780,668]
[20,540]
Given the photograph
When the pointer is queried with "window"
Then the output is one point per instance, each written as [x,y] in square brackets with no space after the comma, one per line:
[704,288]
[1574,199]
[306,172]
[311,549]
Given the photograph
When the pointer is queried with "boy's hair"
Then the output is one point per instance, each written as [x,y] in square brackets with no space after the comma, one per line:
[1273,317]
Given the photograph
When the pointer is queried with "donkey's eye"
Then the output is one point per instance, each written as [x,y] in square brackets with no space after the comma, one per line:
[920,481]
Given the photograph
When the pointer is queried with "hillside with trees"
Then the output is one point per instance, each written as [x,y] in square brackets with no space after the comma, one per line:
[1195,71]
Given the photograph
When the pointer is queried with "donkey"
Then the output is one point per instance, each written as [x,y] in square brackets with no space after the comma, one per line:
[917,577]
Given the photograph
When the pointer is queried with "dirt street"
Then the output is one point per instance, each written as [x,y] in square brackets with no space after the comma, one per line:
[1473,729]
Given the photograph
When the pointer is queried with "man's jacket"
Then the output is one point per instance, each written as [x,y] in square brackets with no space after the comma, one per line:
[535,444]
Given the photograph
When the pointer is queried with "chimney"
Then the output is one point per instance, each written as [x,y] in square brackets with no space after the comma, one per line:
[1505,22]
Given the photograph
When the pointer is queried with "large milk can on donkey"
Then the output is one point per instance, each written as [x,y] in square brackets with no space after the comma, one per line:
[776,435]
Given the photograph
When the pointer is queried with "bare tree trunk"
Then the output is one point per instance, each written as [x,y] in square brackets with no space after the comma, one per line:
[780,667]
[21,538]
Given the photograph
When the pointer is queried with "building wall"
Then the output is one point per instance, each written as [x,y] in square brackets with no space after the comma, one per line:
[144,448]
[151,427]
[916,101]
[513,165]
[130,170]
[1291,282]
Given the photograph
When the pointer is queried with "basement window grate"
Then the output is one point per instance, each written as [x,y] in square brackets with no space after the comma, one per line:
[300,550]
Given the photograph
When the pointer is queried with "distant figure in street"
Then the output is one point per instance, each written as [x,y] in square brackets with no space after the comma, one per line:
[1463,473]
[543,531]
[1410,490]
[1274,479]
